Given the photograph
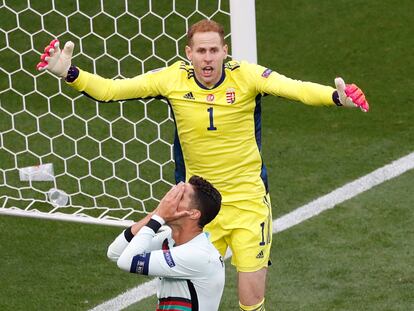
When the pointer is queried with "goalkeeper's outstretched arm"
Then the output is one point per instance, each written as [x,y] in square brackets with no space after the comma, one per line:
[59,63]
[310,93]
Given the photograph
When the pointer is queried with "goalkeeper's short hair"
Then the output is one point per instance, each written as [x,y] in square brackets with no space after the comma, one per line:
[205,25]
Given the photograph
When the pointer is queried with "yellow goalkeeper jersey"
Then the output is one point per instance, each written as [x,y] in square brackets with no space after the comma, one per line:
[218,130]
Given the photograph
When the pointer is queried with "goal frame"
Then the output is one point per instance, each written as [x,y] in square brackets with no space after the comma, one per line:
[243,43]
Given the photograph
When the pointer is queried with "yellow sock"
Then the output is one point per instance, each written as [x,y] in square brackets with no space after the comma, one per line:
[258,307]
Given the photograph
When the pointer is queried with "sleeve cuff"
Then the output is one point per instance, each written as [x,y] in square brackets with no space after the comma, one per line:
[73,74]
[159,219]
[335,98]
[155,223]
[128,234]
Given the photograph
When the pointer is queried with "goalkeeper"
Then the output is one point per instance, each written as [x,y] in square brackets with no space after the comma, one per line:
[217,113]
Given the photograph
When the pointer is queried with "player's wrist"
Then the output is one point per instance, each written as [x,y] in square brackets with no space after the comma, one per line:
[155,222]
[72,74]
[335,98]
[128,234]
[158,218]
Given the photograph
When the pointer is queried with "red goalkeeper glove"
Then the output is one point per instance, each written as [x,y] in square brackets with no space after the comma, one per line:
[349,95]
[55,60]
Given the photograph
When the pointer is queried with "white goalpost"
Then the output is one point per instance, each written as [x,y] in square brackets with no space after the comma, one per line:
[64,156]
[243,30]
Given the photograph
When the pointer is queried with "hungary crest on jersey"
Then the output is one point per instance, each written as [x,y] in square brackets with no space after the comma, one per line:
[230,95]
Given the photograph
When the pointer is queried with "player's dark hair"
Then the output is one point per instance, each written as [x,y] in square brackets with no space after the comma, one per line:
[205,25]
[207,199]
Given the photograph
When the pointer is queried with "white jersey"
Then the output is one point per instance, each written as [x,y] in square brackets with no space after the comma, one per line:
[191,274]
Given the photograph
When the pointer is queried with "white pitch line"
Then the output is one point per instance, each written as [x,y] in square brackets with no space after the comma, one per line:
[291,219]
[129,297]
[344,193]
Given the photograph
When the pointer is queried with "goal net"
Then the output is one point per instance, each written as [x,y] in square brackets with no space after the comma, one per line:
[112,160]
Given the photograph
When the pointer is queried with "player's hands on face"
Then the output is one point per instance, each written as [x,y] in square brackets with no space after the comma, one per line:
[55,60]
[168,206]
[350,95]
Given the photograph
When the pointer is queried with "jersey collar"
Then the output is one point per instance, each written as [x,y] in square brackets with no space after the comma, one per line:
[223,76]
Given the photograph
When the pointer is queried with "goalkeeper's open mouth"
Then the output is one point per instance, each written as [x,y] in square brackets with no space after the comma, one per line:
[207,71]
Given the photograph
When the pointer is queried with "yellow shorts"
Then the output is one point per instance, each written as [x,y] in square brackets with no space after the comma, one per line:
[246,227]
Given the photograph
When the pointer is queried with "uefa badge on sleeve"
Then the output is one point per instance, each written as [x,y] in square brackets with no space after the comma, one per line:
[230,96]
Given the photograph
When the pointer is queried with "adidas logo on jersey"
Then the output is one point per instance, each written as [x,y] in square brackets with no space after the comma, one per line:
[189,95]
[260,255]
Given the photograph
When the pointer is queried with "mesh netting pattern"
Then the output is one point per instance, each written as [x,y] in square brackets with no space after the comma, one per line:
[114,160]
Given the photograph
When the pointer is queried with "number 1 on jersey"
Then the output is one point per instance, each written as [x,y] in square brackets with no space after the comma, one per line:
[210,114]
[262,242]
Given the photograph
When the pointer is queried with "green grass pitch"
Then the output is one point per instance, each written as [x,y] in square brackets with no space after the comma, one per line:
[355,257]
